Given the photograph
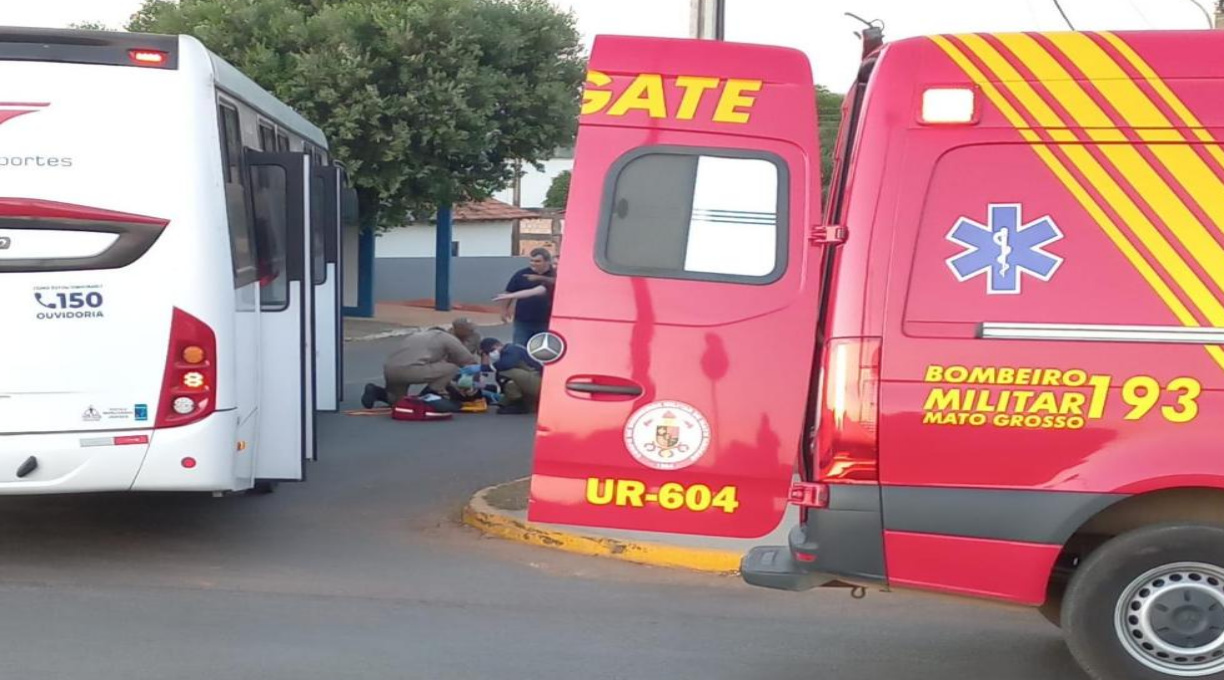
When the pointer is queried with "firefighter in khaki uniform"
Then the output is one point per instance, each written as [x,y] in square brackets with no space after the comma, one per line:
[431,357]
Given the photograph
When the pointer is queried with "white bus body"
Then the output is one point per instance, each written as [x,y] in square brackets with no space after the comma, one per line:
[155,209]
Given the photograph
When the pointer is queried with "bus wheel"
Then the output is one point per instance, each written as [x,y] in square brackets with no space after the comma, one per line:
[1150,604]
[264,487]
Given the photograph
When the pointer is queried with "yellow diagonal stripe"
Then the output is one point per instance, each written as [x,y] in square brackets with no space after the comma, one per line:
[1060,171]
[1166,94]
[1093,171]
[1186,166]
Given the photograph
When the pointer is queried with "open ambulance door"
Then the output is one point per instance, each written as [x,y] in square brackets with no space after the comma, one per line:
[687,300]
[328,335]
[281,209]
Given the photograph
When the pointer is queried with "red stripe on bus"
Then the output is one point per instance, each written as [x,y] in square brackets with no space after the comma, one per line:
[37,208]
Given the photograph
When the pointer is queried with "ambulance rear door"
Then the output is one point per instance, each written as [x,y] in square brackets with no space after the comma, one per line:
[683,327]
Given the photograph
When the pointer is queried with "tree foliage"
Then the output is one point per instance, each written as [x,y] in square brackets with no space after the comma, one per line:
[428,102]
[558,191]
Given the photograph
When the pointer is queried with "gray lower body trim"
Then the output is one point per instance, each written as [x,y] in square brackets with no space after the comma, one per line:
[1025,516]
[846,538]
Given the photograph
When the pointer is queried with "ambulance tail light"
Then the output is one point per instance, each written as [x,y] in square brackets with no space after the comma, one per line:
[189,384]
[847,446]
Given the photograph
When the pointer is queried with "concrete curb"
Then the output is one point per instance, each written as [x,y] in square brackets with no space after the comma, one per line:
[494,522]
[393,333]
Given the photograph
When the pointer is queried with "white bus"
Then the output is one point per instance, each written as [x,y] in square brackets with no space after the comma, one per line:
[169,269]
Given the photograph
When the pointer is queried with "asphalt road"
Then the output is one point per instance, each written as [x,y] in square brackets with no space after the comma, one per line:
[365,572]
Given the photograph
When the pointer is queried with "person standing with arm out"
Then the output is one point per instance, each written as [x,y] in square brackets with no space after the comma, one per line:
[531,314]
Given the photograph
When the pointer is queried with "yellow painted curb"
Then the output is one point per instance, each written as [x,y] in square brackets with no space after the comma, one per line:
[487,519]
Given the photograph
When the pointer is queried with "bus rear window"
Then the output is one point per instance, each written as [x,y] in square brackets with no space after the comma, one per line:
[43,236]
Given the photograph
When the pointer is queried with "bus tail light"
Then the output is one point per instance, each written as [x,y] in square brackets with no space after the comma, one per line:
[189,385]
[847,446]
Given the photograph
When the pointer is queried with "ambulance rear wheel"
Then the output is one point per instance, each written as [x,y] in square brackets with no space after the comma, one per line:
[1149,604]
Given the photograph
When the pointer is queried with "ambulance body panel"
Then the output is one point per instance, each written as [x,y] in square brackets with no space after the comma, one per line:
[1018,356]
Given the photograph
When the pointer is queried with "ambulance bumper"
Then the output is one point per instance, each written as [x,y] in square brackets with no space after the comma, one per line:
[838,545]
[773,566]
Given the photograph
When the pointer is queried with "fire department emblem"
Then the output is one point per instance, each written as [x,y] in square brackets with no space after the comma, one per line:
[1004,248]
[667,435]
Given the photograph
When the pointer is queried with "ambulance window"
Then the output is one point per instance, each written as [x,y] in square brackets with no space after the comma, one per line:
[242,248]
[678,214]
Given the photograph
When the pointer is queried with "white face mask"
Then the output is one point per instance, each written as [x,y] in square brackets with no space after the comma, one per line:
[494,356]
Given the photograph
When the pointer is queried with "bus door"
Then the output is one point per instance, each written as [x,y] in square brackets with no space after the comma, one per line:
[282,213]
[683,327]
[328,333]
[349,223]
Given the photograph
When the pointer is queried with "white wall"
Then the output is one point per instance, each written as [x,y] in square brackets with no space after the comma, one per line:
[536,183]
[476,239]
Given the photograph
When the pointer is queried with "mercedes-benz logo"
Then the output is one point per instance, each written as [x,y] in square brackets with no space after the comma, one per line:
[545,347]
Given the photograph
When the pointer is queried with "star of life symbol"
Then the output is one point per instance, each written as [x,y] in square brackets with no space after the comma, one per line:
[1004,248]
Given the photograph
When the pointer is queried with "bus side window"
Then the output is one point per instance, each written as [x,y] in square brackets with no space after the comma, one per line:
[271,231]
[267,137]
[282,141]
[348,206]
[318,259]
[242,243]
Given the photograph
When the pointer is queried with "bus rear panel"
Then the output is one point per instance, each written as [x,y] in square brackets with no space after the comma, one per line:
[115,268]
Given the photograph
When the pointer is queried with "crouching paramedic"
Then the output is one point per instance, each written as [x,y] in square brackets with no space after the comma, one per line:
[517,373]
[431,357]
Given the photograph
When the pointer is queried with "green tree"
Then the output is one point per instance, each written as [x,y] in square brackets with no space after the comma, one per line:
[828,112]
[558,191]
[427,102]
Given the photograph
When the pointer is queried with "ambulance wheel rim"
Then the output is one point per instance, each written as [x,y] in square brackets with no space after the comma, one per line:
[1171,619]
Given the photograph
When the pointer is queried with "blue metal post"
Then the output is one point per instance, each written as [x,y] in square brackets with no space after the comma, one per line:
[442,260]
[365,272]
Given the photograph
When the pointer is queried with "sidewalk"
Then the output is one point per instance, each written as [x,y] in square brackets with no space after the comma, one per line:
[401,318]
[501,511]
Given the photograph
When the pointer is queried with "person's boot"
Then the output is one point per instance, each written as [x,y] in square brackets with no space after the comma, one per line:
[370,395]
[512,409]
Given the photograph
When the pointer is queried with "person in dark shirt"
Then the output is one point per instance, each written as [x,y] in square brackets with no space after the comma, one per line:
[531,314]
[517,373]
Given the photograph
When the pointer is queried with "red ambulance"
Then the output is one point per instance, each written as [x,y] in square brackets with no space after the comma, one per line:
[991,365]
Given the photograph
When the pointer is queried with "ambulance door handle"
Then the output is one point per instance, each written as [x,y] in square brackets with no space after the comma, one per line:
[603,387]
